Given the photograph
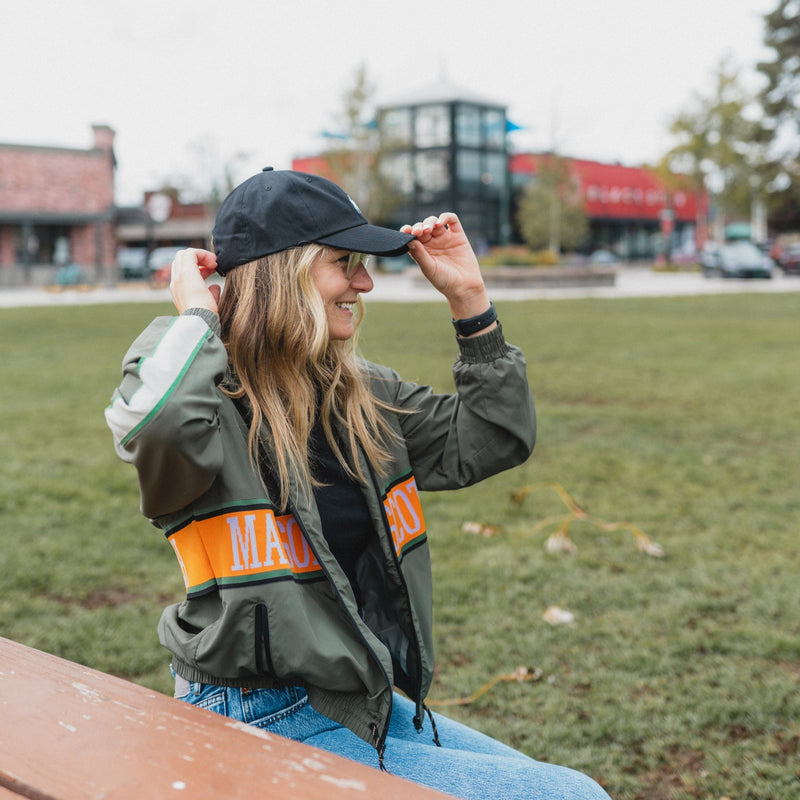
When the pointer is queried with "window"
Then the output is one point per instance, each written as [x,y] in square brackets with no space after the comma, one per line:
[396,127]
[495,175]
[468,126]
[433,173]
[432,127]
[397,169]
[494,128]
[468,168]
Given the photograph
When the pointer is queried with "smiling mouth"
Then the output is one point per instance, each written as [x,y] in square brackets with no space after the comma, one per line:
[345,306]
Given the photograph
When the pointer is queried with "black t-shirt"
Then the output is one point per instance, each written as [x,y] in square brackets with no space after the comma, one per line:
[346,523]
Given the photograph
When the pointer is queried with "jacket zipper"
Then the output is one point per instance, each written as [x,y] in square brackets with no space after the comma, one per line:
[379,738]
[262,641]
[417,649]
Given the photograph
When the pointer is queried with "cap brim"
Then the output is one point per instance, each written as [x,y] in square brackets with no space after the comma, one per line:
[370,239]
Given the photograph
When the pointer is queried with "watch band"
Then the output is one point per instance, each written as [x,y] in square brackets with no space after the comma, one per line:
[466,327]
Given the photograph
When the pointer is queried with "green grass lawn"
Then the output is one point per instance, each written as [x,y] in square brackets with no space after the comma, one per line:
[680,676]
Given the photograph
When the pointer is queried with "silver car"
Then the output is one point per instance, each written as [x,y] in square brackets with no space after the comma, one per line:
[741,259]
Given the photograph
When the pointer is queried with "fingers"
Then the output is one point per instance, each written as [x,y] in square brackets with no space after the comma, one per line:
[190,268]
[446,218]
[451,221]
[195,258]
[417,251]
[206,259]
[432,227]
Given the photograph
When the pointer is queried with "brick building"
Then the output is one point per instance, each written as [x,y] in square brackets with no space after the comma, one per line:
[163,219]
[57,207]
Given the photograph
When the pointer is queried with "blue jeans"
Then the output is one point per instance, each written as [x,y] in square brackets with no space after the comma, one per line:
[468,765]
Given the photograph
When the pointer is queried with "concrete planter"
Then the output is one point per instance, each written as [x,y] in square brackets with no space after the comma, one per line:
[544,277]
[549,277]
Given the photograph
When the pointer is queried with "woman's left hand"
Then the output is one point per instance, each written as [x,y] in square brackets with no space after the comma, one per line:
[447,260]
[188,287]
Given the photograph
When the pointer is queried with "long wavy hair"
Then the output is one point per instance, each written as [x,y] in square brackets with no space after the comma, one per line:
[282,360]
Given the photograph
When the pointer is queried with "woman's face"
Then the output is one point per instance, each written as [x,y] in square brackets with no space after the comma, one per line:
[339,286]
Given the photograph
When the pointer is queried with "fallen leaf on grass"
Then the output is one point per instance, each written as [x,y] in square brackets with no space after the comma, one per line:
[556,615]
[524,674]
[559,542]
[650,548]
[519,675]
[480,529]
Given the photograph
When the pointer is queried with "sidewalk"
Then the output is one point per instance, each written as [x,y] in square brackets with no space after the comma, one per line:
[400,287]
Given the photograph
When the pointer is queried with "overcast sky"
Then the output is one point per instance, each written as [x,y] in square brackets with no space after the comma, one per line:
[190,84]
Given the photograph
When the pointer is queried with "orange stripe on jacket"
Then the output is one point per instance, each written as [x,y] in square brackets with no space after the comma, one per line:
[404,511]
[252,545]
[241,547]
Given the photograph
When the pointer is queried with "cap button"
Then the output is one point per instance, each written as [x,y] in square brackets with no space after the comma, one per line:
[268,169]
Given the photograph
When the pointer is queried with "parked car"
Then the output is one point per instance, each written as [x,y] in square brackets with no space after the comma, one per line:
[741,259]
[789,260]
[603,258]
[160,263]
[392,263]
[162,257]
[132,262]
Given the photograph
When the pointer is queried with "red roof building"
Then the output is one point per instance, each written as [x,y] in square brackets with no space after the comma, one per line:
[631,210]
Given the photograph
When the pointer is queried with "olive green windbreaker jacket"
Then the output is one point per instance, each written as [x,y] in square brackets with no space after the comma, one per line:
[266,602]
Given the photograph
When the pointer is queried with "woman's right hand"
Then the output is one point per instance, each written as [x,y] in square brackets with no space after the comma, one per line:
[188,287]
[447,260]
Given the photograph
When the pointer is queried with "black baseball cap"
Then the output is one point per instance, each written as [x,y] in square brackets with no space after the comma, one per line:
[278,209]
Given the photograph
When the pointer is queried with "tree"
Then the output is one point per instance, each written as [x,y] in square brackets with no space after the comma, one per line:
[551,213]
[780,97]
[212,176]
[354,154]
[780,101]
[722,144]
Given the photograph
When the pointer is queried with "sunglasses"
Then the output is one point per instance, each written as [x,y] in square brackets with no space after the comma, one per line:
[354,259]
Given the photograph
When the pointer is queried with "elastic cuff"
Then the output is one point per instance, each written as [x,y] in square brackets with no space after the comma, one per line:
[210,318]
[484,348]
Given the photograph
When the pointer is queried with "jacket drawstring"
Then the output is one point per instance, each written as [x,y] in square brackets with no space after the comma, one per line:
[377,745]
[418,725]
[433,725]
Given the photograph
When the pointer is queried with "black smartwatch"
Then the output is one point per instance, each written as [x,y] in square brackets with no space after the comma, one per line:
[466,327]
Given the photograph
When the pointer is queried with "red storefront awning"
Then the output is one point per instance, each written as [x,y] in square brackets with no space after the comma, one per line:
[614,191]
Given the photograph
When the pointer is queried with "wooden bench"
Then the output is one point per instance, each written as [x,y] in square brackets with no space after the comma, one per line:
[68,732]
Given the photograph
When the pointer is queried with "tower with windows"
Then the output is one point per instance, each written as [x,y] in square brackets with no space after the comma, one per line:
[448,151]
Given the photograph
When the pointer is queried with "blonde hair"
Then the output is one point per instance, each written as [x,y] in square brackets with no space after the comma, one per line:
[275,329]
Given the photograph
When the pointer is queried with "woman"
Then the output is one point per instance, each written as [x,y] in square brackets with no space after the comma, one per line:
[284,472]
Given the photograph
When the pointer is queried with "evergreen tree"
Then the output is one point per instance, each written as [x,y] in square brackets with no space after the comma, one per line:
[780,100]
[781,95]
